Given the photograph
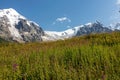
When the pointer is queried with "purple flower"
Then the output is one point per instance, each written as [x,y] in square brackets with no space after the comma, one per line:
[15,66]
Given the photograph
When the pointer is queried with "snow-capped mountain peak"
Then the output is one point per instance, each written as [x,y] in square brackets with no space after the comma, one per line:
[18,25]
[13,18]
[115,26]
[12,15]
[89,24]
[11,12]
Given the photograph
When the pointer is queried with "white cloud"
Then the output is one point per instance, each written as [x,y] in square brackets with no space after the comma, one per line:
[62,19]
[118,2]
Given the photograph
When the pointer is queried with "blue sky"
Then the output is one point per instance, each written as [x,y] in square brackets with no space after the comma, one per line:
[60,15]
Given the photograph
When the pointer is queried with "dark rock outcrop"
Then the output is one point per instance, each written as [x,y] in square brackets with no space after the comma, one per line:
[93,28]
[29,31]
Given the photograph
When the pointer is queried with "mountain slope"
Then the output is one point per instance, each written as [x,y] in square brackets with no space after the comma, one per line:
[15,27]
[88,28]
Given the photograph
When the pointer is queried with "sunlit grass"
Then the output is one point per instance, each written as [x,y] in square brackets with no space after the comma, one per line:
[91,57]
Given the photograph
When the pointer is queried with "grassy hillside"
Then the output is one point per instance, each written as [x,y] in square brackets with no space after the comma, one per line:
[91,57]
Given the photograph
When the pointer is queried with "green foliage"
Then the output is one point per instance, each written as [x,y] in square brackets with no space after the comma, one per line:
[91,57]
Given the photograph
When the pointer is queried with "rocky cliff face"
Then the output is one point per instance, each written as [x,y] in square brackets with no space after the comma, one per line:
[15,27]
[29,31]
[4,30]
[92,28]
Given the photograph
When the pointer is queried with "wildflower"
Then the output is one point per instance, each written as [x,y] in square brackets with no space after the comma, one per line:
[15,66]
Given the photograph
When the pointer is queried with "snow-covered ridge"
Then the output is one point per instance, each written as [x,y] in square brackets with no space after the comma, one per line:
[54,35]
[76,31]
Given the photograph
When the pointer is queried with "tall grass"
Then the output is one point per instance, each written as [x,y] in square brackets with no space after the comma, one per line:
[91,57]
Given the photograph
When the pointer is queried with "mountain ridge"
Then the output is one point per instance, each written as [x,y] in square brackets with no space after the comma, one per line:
[88,28]
[15,27]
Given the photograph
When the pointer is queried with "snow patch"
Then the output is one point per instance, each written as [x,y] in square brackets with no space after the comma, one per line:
[14,32]
[34,23]
[28,23]
[89,24]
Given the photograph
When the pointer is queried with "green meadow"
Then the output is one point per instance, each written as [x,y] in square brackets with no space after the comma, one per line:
[89,57]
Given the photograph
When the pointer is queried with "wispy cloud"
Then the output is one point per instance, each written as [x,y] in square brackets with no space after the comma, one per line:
[115,18]
[62,19]
[118,2]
